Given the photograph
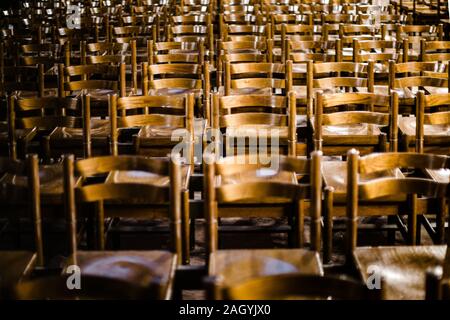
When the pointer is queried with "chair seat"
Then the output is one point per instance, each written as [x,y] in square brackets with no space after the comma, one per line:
[234,266]
[335,175]
[15,264]
[147,177]
[100,130]
[157,136]
[407,126]
[402,267]
[267,131]
[137,267]
[21,134]
[350,134]
[51,183]
[247,91]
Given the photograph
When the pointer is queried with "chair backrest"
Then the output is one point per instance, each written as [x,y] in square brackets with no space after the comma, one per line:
[22,78]
[92,77]
[338,77]
[384,187]
[363,51]
[176,52]
[292,285]
[423,104]
[244,110]
[366,114]
[303,51]
[160,183]
[179,76]
[434,51]
[415,71]
[44,113]
[261,188]
[254,76]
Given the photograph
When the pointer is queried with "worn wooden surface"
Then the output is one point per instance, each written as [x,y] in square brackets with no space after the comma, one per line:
[234,266]
[403,268]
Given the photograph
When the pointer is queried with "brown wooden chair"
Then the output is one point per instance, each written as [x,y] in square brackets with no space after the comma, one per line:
[99,80]
[256,117]
[437,51]
[114,54]
[427,131]
[154,119]
[415,33]
[42,116]
[134,186]
[295,286]
[408,77]
[90,139]
[417,192]
[380,52]
[334,77]
[234,188]
[359,127]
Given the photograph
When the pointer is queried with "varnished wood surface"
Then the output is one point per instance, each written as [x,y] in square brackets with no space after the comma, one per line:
[233,266]
[137,267]
[14,265]
[335,175]
[147,177]
[407,125]
[403,268]
[51,183]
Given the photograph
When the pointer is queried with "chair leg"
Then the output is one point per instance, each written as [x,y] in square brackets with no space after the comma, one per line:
[328,225]
[412,219]
[186,228]
[100,215]
[441,216]
[391,233]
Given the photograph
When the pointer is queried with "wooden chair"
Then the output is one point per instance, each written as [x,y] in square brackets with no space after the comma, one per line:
[233,188]
[154,119]
[114,54]
[335,77]
[426,132]
[418,192]
[292,286]
[182,78]
[414,74]
[256,117]
[359,127]
[160,191]
[438,51]
[380,52]
[41,116]
[99,80]
[415,33]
